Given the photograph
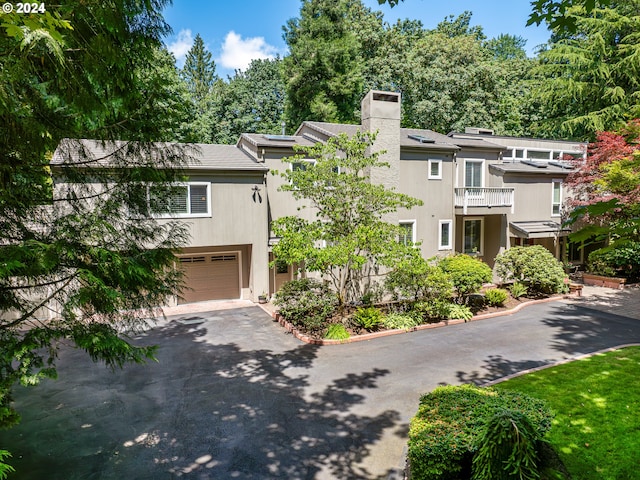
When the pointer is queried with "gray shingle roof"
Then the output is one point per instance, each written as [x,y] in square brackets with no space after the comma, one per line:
[441,142]
[199,156]
[523,168]
[260,140]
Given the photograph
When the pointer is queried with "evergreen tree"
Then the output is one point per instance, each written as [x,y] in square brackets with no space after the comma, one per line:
[199,73]
[323,71]
[589,79]
[76,265]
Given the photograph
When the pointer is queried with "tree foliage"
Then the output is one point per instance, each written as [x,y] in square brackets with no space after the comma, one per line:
[77,266]
[606,188]
[590,77]
[252,101]
[324,75]
[348,239]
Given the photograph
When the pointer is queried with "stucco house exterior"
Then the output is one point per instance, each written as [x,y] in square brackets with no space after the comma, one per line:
[481,194]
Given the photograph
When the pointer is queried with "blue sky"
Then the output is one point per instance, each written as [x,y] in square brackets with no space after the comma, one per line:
[236,31]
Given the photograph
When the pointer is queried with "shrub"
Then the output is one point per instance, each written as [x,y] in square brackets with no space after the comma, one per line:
[400,321]
[461,312]
[432,310]
[508,449]
[415,278]
[496,296]
[445,432]
[369,318]
[534,266]
[467,273]
[306,303]
[336,331]
[616,260]
[518,290]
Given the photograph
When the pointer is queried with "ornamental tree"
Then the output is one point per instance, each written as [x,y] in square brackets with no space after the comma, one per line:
[348,239]
[606,188]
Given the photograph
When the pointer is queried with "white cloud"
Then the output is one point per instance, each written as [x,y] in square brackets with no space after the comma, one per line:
[181,45]
[237,52]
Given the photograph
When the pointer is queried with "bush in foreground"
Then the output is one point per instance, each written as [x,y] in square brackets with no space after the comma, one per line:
[445,433]
[534,266]
[468,273]
[306,303]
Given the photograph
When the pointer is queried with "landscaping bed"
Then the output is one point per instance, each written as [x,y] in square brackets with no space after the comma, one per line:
[357,335]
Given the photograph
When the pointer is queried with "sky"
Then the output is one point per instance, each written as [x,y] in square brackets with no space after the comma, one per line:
[237,31]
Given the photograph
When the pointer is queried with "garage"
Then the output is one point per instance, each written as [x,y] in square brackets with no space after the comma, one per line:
[211,276]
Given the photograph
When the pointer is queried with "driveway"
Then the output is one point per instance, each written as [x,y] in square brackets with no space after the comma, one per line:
[233,396]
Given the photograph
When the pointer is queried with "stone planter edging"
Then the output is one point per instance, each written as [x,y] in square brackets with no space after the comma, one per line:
[371,336]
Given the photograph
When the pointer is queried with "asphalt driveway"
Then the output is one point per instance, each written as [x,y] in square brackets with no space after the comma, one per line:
[235,397]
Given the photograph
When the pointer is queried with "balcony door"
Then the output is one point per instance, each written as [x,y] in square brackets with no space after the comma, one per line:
[473,180]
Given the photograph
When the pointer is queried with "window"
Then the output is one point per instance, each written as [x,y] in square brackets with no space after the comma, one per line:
[407,232]
[556,199]
[539,154]
[444,234]
[473,236]
[301,166]
[473,177]
[435,169]
[180,200]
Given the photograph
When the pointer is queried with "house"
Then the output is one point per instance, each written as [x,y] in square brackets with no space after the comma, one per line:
[481,194]
[224,204]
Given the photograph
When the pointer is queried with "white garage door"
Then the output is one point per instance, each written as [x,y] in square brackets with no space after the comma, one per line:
[211,276]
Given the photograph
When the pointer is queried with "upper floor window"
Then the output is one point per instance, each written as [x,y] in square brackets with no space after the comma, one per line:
[539,154]
[181,200]
[435,169]
[301,166]
[473,173]
[556,197]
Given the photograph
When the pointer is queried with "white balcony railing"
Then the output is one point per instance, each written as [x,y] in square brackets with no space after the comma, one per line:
[483,197]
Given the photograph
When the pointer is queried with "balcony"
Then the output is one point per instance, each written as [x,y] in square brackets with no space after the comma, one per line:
[483,200]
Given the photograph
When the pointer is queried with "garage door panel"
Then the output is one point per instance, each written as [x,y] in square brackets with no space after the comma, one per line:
[211,277]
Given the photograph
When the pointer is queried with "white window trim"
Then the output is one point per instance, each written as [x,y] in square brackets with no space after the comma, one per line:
[482,175]
[413,228]
[436,161]
[554,182]
[450,242]
[549,157]
[189,215]
[480,252]
[303,160]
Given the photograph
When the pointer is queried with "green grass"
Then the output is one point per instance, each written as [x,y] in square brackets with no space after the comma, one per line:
[596,430]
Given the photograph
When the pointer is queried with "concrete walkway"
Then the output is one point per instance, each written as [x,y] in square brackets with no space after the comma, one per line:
[233,396]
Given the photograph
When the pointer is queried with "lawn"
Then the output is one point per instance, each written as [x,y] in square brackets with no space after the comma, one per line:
[596,430]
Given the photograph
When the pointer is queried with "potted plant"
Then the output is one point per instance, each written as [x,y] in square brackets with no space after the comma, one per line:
[263,298]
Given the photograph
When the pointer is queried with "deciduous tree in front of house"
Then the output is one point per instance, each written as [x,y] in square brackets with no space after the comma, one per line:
[349,238]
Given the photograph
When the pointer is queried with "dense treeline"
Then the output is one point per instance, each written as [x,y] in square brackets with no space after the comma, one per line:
[582,81]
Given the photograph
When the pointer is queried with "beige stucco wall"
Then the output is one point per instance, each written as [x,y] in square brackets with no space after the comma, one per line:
[238,222]
[436,195]
[532,197]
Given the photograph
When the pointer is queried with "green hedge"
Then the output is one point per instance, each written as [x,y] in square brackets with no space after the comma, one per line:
[444,434]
